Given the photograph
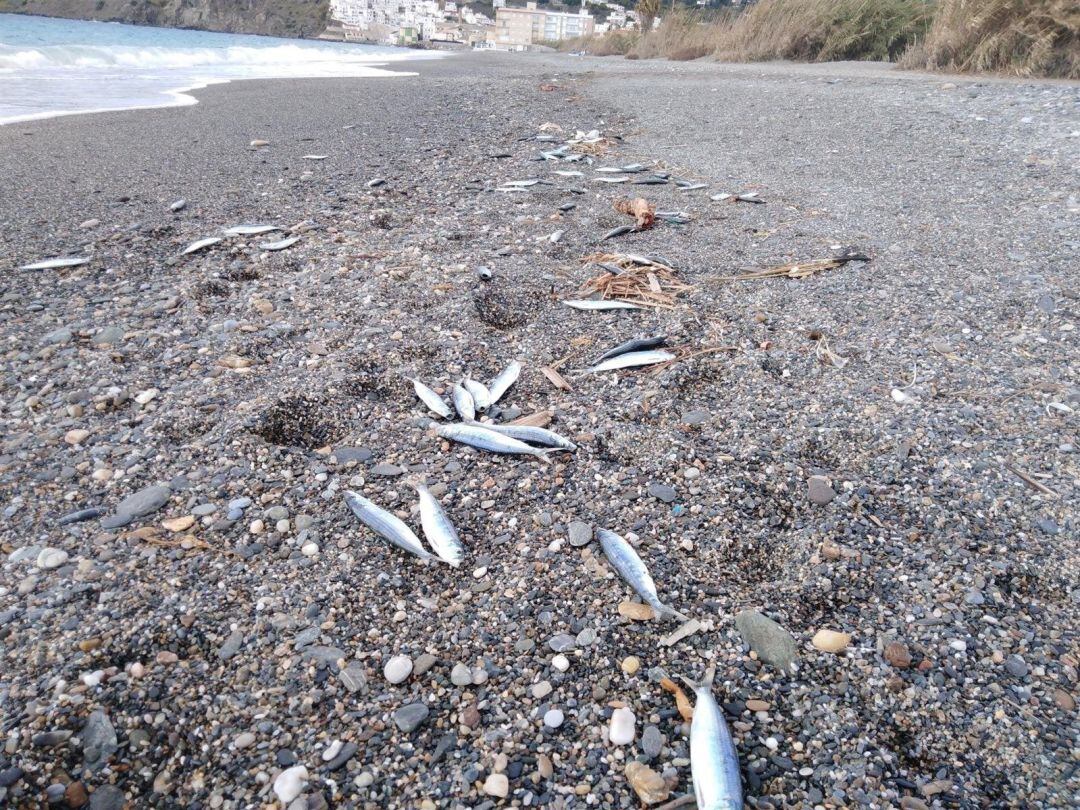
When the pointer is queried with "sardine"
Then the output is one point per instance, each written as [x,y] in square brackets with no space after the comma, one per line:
[610,179]
[652,180]
[521,183]
[611,170]
[479,393]
[534,435]
[635,345]
[250,230]
[483,439]
[693,186]
[631,568]
[287,242]
[569,173]
[632,360]
[434,402]
[714,762]
[501,384]
[202,243]
[179,205]
[634,168]
[593,304]
[52,264]
[439,531]
[388,526]
[619,231]
[376,182]
[463,402]
[316,157]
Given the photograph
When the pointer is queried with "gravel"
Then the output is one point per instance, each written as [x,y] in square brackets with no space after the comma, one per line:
[264,384]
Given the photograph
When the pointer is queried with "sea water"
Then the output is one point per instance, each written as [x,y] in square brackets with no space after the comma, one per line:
[51,67]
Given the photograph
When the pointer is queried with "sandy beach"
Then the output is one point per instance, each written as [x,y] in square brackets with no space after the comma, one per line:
[884,449]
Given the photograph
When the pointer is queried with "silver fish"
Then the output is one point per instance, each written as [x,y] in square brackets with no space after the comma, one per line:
[631,568]
[316,157]
[534,435]
[250,230]
[463,402]
[484,439]
[600,305]
[52,264]
[287,242]
[480,396]
[611,170]
[635,345]
[693,186]
[434,402]
[521,183]
[179,205]
[622,179]
[501,384]
[439,531]
[202,243]
[387,526]
[714,762]
[633,359]
[569,173]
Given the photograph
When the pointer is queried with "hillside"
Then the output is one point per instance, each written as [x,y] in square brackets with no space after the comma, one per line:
[283,18]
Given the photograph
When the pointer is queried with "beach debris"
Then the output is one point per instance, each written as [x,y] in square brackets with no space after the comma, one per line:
[480,437]
[633,360]
[1031,480]
[555,378]
[439,531]
[621,179]
[388,526]
[640,280]
[257,143]
[682,703]
[534,435]
[179,205]
[463,402]
[804,269]
[434,402]
[635,345]
[689,186]
[714,762]
[593,304]
[569,173]
[687,628]
[824,353]
[643,211]
[315,157]
[532,181]
[53,264]
[501,384]
[650,180]
[281,244]
[250,230]
[831,641]
[479,393]
[376,182]
[200,245]
[750,197]
[649,786]
[673,217]
[537,419]
[633,570]
[621,230]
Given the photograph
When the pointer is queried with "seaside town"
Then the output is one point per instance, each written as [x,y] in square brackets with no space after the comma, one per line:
[449,24]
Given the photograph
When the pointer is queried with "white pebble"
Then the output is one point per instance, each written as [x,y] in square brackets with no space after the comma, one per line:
[398,668]
[561,662]
[310,549]
[290,783]
[51,558]
[621,731]
[554,718]
[331,750]
[92,678]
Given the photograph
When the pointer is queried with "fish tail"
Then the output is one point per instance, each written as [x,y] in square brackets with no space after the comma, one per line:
[706,681]
[665,612]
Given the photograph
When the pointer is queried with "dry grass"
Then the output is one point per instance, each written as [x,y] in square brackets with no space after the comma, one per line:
[683,35]
[635,279]
[612,43]
[1021,37]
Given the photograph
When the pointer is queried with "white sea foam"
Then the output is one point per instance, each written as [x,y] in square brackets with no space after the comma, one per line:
[61,67]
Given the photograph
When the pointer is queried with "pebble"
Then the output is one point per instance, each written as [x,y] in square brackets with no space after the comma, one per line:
[561,663]
[77,436]
[897,654]
[773,644]
[497,785]
[179,524]
[144,502]
[290,783]
[107,797]
[331,750]
[650,786]
[663,492]
[409,717]
[541,690]
[819,490]
[553,718]
[50,558]
[631,664]
[831,641]
[580,534]
[244,740]
[398,668]
[621,729]
[652,741]
[637,611]
[561,642]
[461,675]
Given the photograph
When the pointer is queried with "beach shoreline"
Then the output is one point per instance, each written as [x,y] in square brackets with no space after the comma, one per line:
[883,449]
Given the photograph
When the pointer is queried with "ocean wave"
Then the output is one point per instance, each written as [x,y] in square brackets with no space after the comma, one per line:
[122,56]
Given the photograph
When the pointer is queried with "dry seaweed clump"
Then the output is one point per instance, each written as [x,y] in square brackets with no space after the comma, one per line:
[303,420]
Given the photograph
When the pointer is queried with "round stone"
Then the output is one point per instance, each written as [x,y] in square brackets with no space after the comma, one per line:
[554,718]
[398,668]
[561,663]
[631,664]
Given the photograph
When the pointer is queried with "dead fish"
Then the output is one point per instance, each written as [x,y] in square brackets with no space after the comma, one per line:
[611,169]
[483,439]
[250,230]
[635,345]
[534,435]
[591,304]
[569,173]
[202,243]
[714,762]
[619,231]
[567,207]
[752,197]
[439,531]
[693,186]
[256,144]
[480,396]
[434,402]
[378,181]
[632,360]
[632,569]
[316,157]
[52,264]
[501,384]
[634,168]
[512,189]
[649,181]
[288,241]
[610,179]
[388,526]
[463,402]
[179,205]
[520,183]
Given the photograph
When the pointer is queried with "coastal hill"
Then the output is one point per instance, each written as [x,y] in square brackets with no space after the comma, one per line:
[283,18]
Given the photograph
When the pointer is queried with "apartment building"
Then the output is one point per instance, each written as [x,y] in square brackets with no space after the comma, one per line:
[521,27]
